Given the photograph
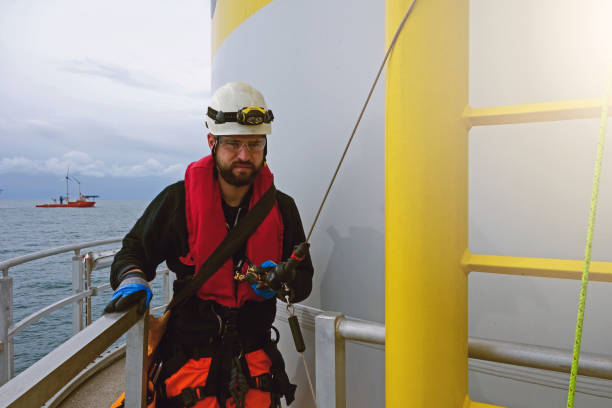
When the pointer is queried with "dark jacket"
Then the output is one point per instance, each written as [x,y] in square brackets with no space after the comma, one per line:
[160,234]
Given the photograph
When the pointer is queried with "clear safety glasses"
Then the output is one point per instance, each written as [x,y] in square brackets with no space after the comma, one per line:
[234,145]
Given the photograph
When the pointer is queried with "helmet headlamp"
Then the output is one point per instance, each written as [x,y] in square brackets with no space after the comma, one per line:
[250,116]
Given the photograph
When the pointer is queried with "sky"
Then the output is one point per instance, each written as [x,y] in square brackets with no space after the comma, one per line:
[113,90]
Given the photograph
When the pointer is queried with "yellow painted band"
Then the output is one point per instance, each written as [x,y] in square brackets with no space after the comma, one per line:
[229,14]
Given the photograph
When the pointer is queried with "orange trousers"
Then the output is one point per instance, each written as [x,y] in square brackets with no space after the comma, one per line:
[195,373]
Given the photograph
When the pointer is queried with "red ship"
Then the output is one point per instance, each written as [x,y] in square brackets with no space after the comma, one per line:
[77,203]
[82,202]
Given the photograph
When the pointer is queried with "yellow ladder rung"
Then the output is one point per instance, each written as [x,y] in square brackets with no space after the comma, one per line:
[542,267]
[535,112]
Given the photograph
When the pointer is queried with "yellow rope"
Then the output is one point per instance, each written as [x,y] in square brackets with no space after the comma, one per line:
[589,244]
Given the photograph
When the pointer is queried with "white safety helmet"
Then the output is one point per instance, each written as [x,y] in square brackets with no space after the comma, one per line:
[238,109]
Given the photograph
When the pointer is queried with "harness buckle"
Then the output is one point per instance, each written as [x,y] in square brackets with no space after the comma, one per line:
[264,382]
[230,323]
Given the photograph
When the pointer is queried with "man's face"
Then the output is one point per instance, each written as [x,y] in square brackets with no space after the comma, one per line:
[239,157]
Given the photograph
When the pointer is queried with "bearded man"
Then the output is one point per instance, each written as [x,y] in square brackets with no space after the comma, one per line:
[217,350]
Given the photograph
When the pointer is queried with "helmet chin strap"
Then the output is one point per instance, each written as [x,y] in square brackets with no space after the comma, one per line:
[213,149]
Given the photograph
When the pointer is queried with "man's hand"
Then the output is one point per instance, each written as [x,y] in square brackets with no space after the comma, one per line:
[134,289]
[279,278]
[278,275]
[263,289]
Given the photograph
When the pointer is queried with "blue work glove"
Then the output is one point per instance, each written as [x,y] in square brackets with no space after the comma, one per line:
[263,290]
[134,289]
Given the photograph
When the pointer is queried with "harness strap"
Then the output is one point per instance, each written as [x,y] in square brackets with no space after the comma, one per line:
[190,396]
[276,382]
[173,364]
[263,382]
[281,379]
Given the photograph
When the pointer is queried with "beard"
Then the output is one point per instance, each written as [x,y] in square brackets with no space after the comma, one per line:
[226,171]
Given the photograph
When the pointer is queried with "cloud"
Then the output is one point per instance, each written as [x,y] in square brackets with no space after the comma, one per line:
[82,163]
[40,124]
[77,157]
[16,165]
[174,169]
[33,126]
[113,72]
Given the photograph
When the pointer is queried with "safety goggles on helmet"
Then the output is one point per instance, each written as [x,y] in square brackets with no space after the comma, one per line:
[250,115]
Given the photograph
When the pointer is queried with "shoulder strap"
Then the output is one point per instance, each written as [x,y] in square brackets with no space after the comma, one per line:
[230,244]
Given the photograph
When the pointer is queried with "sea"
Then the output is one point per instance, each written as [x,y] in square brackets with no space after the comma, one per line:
[25,229]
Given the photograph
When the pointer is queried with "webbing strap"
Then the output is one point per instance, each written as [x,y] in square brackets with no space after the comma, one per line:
[190,396]
[587,252]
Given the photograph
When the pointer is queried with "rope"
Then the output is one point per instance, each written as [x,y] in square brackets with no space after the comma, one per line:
[312,391]
[365,105]
[589,244]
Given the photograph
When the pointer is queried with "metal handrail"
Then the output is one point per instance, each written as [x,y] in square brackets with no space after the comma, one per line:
[5,265]
[48,375]
[333,329]
[82,292]
[34,317]
[37,384]
[367,332]
[546,358]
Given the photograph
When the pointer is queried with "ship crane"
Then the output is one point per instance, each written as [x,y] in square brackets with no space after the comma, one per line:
[81,196]
[81,201]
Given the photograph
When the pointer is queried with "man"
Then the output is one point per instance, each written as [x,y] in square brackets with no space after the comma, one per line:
[217,350]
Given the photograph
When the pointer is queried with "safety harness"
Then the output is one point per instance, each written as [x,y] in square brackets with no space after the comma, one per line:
[227,344]
[191,396]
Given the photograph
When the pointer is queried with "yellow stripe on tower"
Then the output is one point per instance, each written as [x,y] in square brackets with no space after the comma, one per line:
[426,207]
[229,14]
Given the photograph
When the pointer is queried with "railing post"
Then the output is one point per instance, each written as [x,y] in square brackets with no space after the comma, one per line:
[77,287]
[6,319]
[135,364]
[330,361]
[88,268]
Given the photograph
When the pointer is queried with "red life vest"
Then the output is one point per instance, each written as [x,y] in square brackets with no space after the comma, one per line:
[206,227]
